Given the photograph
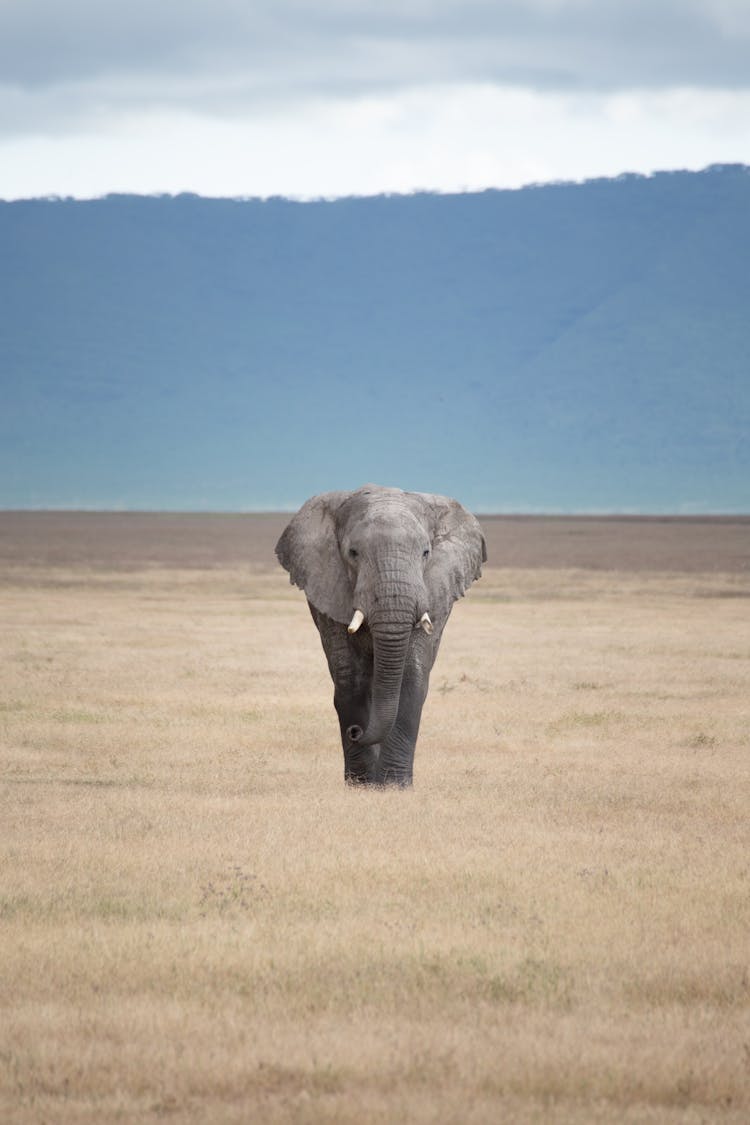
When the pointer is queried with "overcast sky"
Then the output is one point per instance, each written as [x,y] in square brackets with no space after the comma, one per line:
[331,97]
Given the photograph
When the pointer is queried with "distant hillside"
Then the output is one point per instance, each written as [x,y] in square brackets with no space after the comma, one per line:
[564,347]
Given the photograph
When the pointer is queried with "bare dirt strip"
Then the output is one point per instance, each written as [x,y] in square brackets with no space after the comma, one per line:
[134,540]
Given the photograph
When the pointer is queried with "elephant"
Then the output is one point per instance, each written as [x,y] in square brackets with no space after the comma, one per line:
[381,569]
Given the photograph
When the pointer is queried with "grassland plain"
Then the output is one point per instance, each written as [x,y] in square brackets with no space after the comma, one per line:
[200,922]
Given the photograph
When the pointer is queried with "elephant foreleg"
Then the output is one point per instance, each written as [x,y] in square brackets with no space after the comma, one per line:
[352,708]
[350,664]
[396,760]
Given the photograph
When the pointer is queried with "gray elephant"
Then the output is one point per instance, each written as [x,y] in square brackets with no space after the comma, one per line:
[381,569]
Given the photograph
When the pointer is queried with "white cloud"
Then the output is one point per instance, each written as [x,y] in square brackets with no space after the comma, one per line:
[446,138]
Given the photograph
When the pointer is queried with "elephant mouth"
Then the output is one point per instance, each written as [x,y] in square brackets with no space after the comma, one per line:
[359,617]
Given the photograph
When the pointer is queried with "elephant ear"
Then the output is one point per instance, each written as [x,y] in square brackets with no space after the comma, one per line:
[309,550]
[458,551]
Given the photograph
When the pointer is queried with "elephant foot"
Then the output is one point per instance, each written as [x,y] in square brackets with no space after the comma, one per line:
[356,779]
[360,766]
[395,779]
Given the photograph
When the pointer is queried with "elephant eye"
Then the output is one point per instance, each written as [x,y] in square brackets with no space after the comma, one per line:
[353,554]
[426,553]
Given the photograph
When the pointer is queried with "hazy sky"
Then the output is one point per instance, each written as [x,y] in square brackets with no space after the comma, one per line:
[330,97]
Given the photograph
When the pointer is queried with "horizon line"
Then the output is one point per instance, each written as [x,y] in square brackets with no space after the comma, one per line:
[507,513]
[716,166]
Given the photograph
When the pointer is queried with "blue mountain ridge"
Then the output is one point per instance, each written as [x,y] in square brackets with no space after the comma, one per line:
[566,347]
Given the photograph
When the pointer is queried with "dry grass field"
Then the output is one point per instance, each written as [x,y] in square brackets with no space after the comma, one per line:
[200,923]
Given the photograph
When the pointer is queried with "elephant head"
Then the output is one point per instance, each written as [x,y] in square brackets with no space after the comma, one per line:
[387,561]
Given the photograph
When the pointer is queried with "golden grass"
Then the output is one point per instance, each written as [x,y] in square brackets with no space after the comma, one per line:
[199,921]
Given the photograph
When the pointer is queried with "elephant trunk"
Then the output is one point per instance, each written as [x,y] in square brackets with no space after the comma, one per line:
[390,645]
[391,622]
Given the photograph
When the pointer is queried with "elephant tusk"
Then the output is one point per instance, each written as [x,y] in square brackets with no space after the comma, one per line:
[356,621]
[425,622]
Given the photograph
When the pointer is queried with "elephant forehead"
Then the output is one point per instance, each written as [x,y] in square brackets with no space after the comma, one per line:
[380,514]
